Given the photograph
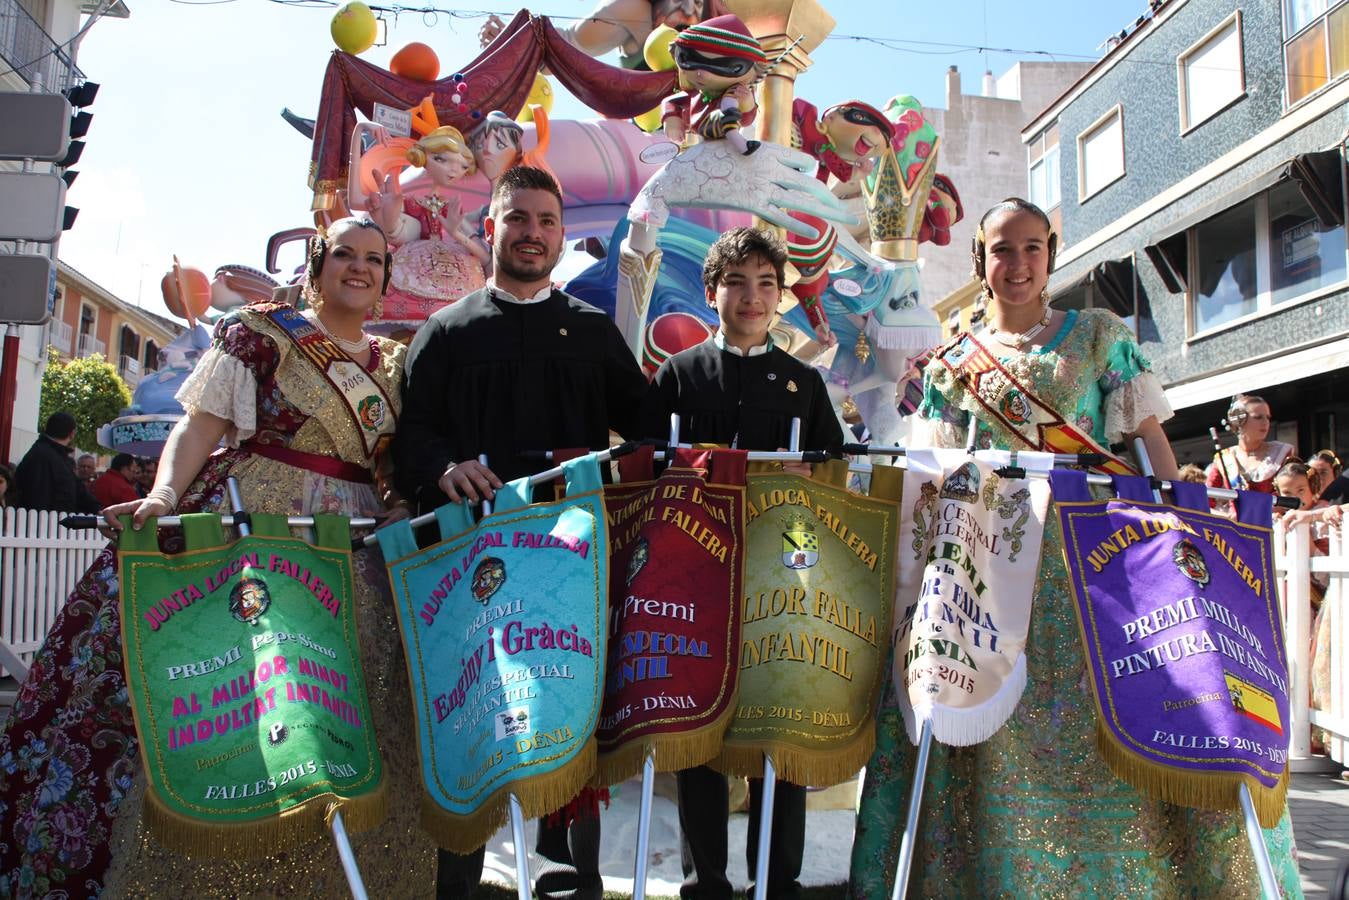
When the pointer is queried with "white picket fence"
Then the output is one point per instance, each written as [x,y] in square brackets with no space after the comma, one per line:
[40,562]
[1293,561]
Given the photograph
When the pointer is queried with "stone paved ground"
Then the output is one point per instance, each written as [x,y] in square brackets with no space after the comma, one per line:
[1320,808]
[1319,804]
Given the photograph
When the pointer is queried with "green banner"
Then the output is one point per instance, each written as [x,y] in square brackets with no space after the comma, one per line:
[245,680]
[815,624]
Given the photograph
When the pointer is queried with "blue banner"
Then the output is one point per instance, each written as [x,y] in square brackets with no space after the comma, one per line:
[504,627]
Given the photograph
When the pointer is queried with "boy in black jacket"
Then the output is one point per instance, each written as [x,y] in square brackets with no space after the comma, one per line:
[738,389]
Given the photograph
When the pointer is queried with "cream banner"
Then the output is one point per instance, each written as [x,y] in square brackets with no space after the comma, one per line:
[968,558]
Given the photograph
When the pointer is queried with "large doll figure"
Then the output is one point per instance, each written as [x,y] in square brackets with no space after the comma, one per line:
[436,258]
[717,60]
[845,140]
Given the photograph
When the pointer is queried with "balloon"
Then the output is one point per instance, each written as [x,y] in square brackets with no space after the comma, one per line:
[416,61]
[656,52]
[354,28]
[540,94]
[187,292]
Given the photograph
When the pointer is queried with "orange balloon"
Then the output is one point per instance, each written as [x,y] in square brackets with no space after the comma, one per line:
[187,292]
[416,61]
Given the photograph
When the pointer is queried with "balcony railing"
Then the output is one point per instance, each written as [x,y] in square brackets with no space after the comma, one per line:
[89,345]
[27,49]
[58,335]
[130,370]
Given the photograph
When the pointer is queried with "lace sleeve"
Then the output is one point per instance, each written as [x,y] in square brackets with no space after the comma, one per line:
[224,386]
[1133,401]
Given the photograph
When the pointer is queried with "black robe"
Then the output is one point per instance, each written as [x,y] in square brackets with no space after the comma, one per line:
[723,397]
[491,376]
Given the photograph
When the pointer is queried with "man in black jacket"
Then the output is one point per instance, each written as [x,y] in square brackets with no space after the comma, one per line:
[516,366]
[46,476]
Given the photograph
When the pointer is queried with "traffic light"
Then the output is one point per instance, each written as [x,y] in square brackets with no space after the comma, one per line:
[38,128]
[80,97]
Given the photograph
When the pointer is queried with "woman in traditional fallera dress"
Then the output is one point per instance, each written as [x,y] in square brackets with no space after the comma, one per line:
[1035,811]
[71,791]
[1252,464]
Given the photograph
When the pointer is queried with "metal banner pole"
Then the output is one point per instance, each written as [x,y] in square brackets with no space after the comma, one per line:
[911,823]
[1255,835]
[644,828]
[349,868]
[770,772]
[639,869]
[770,787]
[354,882]
[522,886]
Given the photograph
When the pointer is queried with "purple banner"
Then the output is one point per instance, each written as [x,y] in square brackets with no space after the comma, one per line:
[1181,629]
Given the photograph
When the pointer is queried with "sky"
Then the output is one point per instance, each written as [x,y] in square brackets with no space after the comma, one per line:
[188,153]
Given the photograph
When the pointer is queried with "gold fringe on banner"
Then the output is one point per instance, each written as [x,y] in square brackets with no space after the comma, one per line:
[673,752]
[824,767]
[539,795]
[288,830]
[1208,790]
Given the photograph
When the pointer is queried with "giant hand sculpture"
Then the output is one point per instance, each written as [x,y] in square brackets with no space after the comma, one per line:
[771,183]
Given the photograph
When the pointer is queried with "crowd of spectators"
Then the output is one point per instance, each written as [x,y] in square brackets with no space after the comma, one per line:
[50,476]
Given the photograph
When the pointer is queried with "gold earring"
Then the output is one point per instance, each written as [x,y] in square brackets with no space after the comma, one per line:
[377,311]
[1044,296]
[314,298]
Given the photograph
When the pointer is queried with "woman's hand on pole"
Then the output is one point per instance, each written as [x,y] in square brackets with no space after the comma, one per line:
[139,510]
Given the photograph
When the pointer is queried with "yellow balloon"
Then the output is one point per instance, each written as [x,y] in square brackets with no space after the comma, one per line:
[354,28]
[540,94]
[649,121]
[656,52]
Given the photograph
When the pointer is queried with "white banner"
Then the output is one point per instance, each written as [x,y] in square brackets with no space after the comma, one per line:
[968,558]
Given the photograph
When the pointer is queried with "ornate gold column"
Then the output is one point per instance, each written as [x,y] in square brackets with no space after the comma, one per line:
[776,24]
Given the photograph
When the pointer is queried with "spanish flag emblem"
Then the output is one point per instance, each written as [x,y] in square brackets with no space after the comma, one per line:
[1253,702]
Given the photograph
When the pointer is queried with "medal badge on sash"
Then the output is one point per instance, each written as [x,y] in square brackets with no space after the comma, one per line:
[245,680]
[503,625]
[364,400]
[1183,641]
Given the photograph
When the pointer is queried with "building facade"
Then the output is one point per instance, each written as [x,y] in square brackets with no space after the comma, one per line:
[981,153]
[1201,196]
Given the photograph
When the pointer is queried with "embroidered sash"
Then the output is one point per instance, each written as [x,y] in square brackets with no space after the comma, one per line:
[362,397]
[1018,409]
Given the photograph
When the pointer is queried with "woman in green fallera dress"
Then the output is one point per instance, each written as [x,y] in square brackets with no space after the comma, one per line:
[1034,811]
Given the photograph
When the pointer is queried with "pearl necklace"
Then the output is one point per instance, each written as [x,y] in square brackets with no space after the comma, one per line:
[1025,337]
[351,348]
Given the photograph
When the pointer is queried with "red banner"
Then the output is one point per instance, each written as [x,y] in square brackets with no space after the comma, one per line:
[676,567]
